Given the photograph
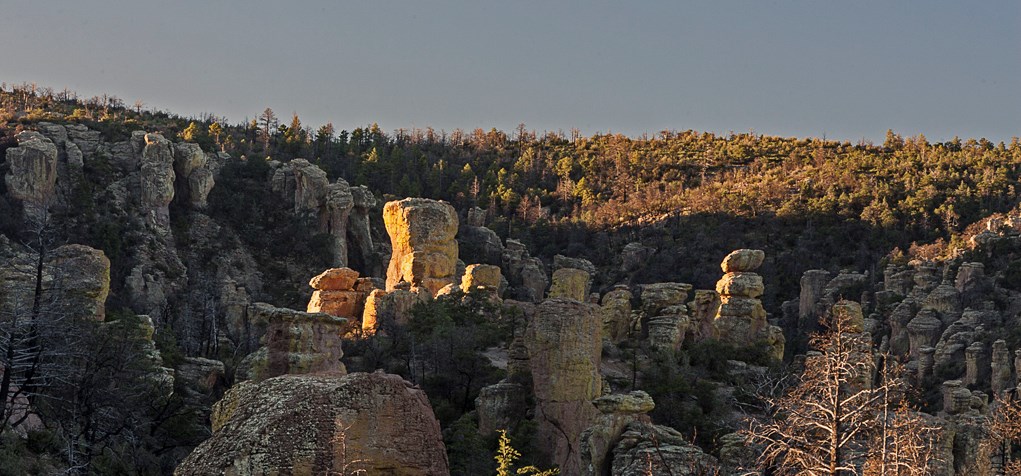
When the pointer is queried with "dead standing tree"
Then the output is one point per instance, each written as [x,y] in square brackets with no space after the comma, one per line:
[826,421]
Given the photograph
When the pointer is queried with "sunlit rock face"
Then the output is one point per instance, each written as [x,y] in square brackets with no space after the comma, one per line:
[424,252]
[564,348]
[301,424]
[740,317]
[294,342]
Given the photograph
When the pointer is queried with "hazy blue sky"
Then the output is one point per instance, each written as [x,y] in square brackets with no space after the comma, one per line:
[848,69]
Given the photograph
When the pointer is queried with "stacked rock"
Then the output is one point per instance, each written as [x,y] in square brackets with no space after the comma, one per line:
[741,318]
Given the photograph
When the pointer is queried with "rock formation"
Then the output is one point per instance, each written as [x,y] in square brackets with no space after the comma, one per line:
[327,206]
[294,342]
[300,424]
[194,169]
[32,173]
[616,412]
[483,277]
[564,351]
[741,318]
[424,252]
[526,275]
[157,181]
[385,308]
[1000,365]
[336,294]
[646,449]
[362,252]
[616,313]
[75,281]
[570,283]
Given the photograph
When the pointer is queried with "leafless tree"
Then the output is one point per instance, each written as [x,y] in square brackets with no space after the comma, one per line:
[827,421]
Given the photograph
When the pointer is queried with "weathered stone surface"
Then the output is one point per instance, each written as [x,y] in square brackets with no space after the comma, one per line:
[923,331]
[333,219]
[361,250]
[500,406]
[424,252]
[32,173]
[479,244]
[376,423]
[327,206]
[972,355]
[667,332]
[659,296]
[813,283]
[157,180]
[645,449]
[561,261]
[564,349]
[616,313]
[191,165]
[705,306]
[294,342]
[526,275]
[347,304]
[485,276]
[741,285]
[632,402]
[570,283]
[1000,365]
[743,260]
[383,309]
[82,274]
[634,256]
[335,279]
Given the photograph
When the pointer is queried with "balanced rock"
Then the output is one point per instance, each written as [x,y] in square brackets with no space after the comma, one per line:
[424,252]
[301,424]
[743,260]
[659,296]
[741,285]
[334,279]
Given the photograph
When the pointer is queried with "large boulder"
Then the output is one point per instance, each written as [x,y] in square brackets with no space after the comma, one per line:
[564,352]
[81,274]
[335,294]
[484,276]
[616,313]
[192,168]
[424,252]
[743,260]
[376,423]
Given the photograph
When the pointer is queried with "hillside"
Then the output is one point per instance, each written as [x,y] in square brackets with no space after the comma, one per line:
[191,225]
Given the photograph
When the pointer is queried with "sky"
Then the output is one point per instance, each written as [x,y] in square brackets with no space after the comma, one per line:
[841,70]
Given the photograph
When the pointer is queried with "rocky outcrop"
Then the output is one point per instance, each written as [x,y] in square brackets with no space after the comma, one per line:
[741,318]
[361,250]
[616,314]
[383,309]
[526,275]
[561,261]
[634,256]
[335,294]
[616,412]
[500,406]
[564,351]
[1000,366]
[646,449]
[482,277]
[479,244]
[376,423]
[157,181]
[195,173]
[424,252]
[294,342]
[570,283]
[657,297]
[326,206]
[32,173]
[75,281]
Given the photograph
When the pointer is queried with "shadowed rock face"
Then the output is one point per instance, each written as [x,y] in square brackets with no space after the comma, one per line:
[302,424]
[294,342]
[422,237]
[32,172]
